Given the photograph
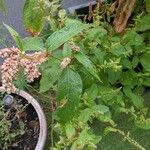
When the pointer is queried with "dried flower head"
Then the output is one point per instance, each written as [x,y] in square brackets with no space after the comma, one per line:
[16,60]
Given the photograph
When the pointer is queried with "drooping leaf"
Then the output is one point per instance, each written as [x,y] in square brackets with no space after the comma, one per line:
[63,35]
[15,36]
[69,88]
[144,23]
[33,44]
[33,17]
[85,61]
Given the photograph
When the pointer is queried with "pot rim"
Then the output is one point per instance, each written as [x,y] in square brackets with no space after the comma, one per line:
[41,116]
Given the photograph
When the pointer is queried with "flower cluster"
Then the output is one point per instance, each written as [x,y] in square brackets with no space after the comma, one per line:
[14,60]
[66,61]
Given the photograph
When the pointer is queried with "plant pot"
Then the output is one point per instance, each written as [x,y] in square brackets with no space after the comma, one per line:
[41,118]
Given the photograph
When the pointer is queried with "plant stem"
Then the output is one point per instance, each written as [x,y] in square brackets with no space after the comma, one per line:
[128,138]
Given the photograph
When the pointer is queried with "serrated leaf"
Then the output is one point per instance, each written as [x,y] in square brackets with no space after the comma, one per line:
[145,61]
[85,61]
[70,130]
[144,23]
[70,88]
[148,6]
[136,100]
[33,17]
[33,44]
[69,85]
[49,77]
[63,35]
[15,36]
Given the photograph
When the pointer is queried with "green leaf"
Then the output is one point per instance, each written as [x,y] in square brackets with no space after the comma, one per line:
[95,111]
[92,92]
[148,6]
[86,139]
[33,44]
[69,85]
[145,61]
[99,55]
[33,17]
[144,23]
[136,100]
[146,81]
[63,35]
[126,63]
[129,78]
[117,49]
[69,88]
[132,38]
[107,94]
[15,36]
[49,77]
[85,61]
[67,50]
[143,124]
[113,76]
[70,130]
[135,61]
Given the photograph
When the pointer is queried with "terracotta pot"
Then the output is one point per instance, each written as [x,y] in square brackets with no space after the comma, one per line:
[42,121]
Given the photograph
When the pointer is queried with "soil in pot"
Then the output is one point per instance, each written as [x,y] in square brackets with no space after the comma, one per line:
[19,125]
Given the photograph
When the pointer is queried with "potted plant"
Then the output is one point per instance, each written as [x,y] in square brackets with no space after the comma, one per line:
[23,123]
